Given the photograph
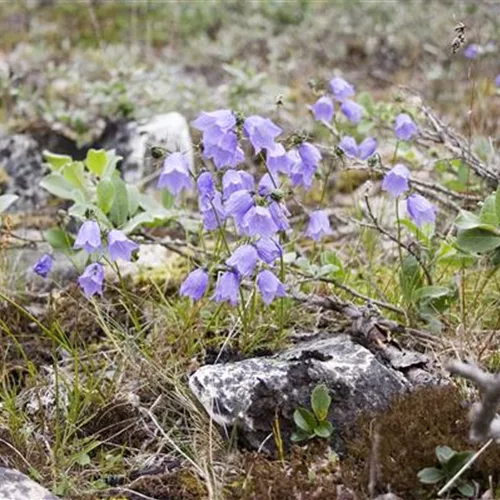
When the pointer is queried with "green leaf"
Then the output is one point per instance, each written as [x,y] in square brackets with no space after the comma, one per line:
[138,220]
[330,258]
[56,162]
[477,240]
[431,292]
[6,201]
[58,186]
[466,489]
[73,172]
[167,199]
[59,240]
[468,220]
[97,161]
[410,277]
[444,453]
[457,461]
[430,475]
[305,420]
[113,160]
[320,401]
[105,195]
[300,435]
[324,429]
[488,214]
[133,199]
[82,458]
[119,209]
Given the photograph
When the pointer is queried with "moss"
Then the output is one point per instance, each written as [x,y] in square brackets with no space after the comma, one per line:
[409,433]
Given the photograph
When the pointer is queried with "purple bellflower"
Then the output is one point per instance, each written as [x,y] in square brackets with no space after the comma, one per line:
[471,51]
[243,260]
[352,110]
[195,285]
[89,237]
[261,132]
[305,164]
[236,180]
[278,160]
[224,153]
[227,288]
[206,186]
[405,128]
[366,149]
[119,246]
[420,210]
[268,250]
[238,204]
[92,279]
[396,180]
[341,89]
[212,211]
[175,174]
[280,215]
[319,225]
[258,221]
[269,286]
[44,265]
[323,109]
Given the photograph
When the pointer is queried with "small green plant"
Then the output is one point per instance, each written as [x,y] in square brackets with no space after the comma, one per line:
[451,462]
[314,424]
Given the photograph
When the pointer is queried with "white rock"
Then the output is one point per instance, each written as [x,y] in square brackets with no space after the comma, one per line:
[14,485]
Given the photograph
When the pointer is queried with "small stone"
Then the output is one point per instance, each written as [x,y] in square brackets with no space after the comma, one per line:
[15,485]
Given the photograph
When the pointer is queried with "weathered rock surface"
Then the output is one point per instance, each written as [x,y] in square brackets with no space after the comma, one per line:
[16,486]
[249,394]
[21,170]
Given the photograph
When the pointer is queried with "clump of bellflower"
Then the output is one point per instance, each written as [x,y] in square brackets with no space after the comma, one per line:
[396,180]
[405,128]
[420,210]
[44,265]
[362,151]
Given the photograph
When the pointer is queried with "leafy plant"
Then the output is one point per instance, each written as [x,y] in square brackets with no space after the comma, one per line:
[314,424]
[450,462]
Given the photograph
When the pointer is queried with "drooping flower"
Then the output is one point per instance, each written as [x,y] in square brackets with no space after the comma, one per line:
[92,279]
[119,246]
[319,225]
[341,89]
[352,110]
[238,204]
[471,51]
[396,180]
[227,288]
[261,132]
[195,285]
[309,154]
[323,109]
[212,211]
[44,265]
[206,186]
[175,174]
[280,215]
[258,221]
[224,153]
[214,124]
[268,250]
[89,237]
[405,127]
[236,180]
[266,185]
[243,260]
[420,210]
[270,286]
[305,163]
[278,160]
[366,149]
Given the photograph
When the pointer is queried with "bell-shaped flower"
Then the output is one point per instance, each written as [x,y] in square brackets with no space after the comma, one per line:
[258,221]
[92,279]
[420,210]
[269,286]
[212,211]
[44,265]
[323,109]
[261,132]
[366,149]
[405,128]
[278,160]
[268,250]
[88,237]
[341,89]
[195,285]
[227,288]
[319,225]
[236,180]
[174,175]
[352,111]
[119,246]
[396,180]
[243,260]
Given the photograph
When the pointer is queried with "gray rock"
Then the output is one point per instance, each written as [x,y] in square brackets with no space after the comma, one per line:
[16,486]
[21,169]
[249,394]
